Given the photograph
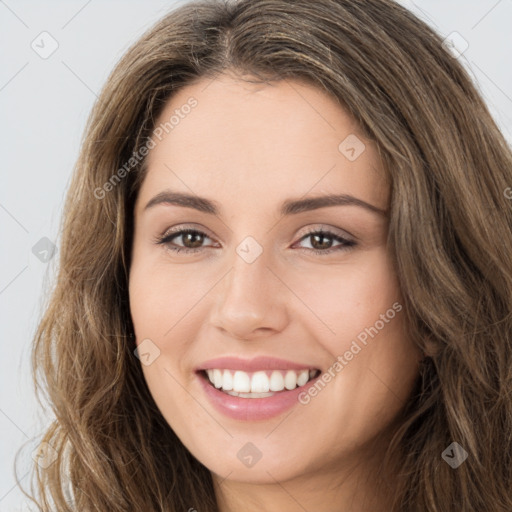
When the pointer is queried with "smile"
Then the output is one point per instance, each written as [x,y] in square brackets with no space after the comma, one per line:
[254,389]
[258,384]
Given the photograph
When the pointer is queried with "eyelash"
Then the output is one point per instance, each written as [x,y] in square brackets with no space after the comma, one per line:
[347,244]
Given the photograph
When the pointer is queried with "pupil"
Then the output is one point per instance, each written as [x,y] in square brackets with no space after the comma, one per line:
[188,237]
[322,246]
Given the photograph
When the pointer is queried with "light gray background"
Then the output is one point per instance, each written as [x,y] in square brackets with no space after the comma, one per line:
[44,104]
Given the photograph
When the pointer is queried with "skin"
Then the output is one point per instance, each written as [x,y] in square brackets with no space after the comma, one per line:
[249,147]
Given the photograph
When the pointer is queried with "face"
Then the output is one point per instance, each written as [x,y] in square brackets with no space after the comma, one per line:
[259,283]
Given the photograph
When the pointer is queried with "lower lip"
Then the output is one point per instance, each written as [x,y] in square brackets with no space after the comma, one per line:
[252,409]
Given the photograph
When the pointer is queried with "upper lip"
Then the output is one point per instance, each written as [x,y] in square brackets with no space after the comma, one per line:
[250,365]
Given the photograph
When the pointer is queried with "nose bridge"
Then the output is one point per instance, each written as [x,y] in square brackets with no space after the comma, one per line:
[248,282]
[249,299]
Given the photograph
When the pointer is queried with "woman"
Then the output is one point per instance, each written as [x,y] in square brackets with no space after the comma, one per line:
[279,285]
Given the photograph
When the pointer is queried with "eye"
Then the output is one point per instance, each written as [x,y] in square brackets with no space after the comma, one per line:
[321,242]
[192,240]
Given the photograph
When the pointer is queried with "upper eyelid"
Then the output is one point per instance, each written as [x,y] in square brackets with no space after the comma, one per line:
[185,227]
[331,230]
[192,227]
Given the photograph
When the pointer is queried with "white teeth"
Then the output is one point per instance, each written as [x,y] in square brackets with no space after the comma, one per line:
[290,380]
[302,377]
[241,382]
[276,381]
[227,380]
[217,378]
[258,384]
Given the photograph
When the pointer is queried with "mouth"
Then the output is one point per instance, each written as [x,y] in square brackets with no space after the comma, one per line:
[257,384]
[256,389]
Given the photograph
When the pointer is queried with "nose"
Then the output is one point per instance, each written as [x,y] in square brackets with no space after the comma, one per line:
[251,301]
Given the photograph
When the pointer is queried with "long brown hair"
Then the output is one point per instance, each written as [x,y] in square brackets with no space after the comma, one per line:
[450,235]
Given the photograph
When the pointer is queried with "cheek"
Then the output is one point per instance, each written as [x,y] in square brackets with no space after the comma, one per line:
[362,309]
[351,298]
[167,306]
[159,304]
[161,296]
[374,363]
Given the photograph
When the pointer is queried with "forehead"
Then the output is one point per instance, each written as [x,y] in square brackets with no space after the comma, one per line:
[255,144]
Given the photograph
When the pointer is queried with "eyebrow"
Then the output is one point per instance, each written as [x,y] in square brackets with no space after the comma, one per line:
[288,207]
